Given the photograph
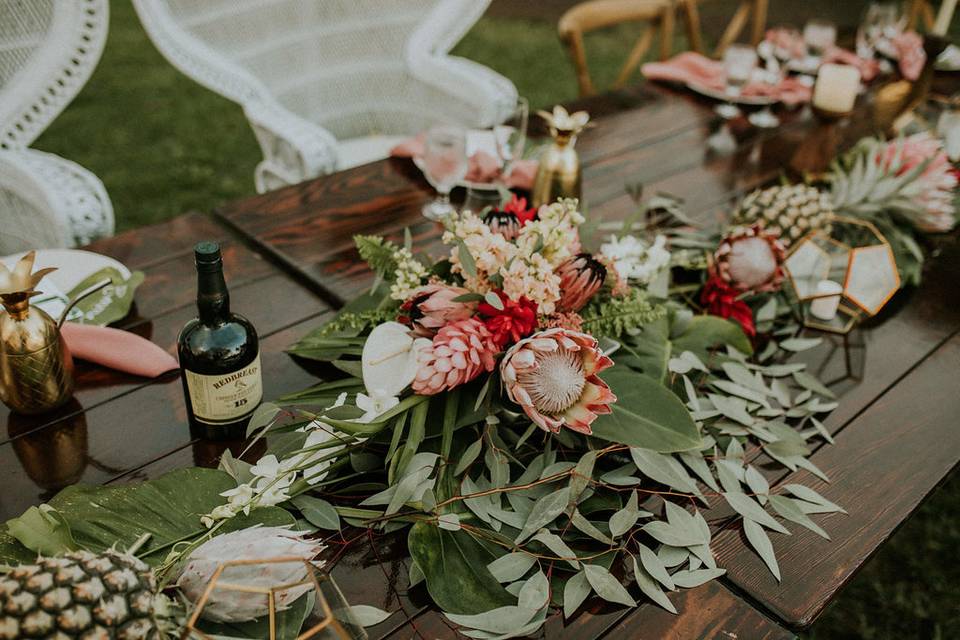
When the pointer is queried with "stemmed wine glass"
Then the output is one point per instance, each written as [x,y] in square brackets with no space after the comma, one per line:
[511,137]
[777,57]
[739,62]
[820,36]
[881,22]
[444,164]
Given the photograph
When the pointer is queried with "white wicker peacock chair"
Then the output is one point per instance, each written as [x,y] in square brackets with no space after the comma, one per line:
[331,84]
[48,49]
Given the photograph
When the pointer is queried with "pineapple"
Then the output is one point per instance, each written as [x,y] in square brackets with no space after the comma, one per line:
[792,211]
[81,595]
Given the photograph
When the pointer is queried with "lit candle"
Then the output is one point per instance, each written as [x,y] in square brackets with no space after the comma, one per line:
[836,88]
[824,306]
[943,17]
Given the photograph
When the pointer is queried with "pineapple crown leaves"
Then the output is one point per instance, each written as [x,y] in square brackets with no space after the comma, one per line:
[22,279]
[613,316]
[861,185]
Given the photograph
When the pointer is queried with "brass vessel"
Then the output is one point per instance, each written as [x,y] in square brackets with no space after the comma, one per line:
[36,369]
[559,175]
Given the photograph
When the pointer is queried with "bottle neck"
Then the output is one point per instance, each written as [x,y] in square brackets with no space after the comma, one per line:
[213,299]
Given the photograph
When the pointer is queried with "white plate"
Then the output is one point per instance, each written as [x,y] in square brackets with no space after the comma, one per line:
[73,267]
[721,95]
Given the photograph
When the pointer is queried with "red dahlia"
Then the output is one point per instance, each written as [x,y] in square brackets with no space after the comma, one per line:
[720,299]
[515,321]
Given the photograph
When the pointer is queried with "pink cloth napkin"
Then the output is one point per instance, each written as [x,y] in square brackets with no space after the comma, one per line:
[695,68]
[116,349]
[910,54]
[482,167]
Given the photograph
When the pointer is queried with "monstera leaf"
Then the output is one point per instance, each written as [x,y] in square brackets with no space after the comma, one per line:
[168,508]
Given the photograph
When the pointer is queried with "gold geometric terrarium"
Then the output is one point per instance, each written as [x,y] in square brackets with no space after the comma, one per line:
[841,275]
[328,616]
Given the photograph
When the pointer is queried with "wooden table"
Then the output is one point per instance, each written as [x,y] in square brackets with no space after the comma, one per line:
[289,262]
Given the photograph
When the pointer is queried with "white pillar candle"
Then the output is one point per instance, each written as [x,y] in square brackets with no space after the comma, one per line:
[824,306]
[836,88]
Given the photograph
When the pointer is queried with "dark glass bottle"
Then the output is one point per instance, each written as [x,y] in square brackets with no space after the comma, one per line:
[219,357]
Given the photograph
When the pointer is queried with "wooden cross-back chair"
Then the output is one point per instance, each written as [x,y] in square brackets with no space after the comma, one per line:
[917,11]
[597,14]
[755,9]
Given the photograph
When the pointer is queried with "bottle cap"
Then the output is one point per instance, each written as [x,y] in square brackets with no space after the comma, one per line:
[207,254]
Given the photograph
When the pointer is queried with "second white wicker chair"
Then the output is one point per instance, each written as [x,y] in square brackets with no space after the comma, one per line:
[331,84]
[48,49]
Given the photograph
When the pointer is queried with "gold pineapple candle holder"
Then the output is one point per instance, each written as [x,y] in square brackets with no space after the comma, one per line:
[36,369]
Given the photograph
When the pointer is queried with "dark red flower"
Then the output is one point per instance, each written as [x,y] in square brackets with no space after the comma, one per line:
[720,299]
[510,219]
[515,321]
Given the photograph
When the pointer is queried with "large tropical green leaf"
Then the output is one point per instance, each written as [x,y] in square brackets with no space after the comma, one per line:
[455,566]
[168,508]
[646,415]
[651,350]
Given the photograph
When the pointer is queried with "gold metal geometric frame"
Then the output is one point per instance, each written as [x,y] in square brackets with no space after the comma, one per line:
[851,263]
[321,622]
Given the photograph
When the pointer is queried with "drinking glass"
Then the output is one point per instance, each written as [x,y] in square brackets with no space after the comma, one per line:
[739,61]
[881,22]
[444,164]
[778,56]
[820,36]
[511,136]
[481,200]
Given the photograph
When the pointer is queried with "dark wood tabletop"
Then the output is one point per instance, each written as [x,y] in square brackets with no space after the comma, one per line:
[290,261]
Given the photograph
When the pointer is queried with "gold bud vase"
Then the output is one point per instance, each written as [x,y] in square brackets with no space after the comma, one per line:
[36,369]
[559,175]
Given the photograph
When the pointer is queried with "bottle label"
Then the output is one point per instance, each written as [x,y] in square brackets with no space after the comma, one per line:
[225,397]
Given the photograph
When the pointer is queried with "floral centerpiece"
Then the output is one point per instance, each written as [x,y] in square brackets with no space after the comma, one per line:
[543,422]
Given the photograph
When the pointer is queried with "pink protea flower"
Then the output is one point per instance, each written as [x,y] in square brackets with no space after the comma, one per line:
[750,259]
[552,375]
[581,276]
[510,219]
[459,353]
[434,305]
[933,188]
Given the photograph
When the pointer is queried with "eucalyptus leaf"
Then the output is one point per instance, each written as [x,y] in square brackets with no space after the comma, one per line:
[544,512]
[369,616]
[654,566]
[511,566]
[468,457]
[690,579]
[624,519]
[808,494]
[745,506]
[317,512]
[648,585]
[575,591]
[789,510]
[759,540]
[606,586]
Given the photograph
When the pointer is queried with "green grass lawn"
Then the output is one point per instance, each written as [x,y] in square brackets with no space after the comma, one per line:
[164,145]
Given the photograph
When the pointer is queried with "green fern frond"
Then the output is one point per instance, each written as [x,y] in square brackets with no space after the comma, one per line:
[611,317]
[379,255]
[358,321]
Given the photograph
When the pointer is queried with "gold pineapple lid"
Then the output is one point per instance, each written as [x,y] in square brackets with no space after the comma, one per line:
[563,123]
[18,285]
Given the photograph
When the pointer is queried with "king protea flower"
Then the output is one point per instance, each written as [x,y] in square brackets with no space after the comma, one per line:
[750,259]
[581,276]
[433,306]
[933,188]
[552,375]
[255,543]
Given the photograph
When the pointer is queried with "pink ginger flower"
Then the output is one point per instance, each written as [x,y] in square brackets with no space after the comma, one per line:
[552,375]
[460,352]
[433,306]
